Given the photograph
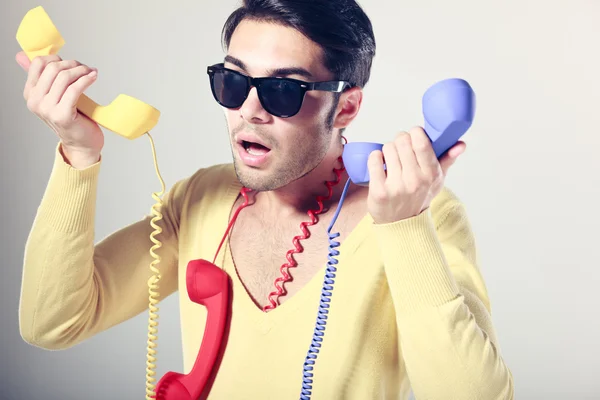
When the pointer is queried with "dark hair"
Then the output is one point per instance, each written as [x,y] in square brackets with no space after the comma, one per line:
[340,27]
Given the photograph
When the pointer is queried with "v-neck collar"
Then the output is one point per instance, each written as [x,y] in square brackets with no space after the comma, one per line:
[309,292]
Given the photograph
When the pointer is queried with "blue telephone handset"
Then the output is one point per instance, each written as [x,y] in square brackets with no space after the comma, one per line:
[448,109]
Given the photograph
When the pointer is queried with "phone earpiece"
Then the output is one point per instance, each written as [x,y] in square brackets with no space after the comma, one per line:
[125,115]
[448,110]
[207,285]
[355,157]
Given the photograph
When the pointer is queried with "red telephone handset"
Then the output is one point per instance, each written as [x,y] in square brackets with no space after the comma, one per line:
[208,285]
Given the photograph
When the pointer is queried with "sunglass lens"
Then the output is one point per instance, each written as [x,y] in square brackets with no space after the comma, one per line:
[281,98]
[230,89]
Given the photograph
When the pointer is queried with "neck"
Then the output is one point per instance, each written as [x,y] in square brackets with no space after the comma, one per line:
[300,196]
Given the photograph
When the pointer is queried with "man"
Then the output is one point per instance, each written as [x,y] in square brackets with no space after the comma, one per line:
[409,309]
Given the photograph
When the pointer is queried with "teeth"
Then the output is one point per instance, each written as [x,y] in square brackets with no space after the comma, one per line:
[250,150]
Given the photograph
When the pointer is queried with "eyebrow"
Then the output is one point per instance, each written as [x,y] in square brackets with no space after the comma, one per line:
[284,71]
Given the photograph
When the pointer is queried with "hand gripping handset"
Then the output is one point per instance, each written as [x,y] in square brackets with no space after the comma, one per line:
[125,115]
[448,110]
[207,285]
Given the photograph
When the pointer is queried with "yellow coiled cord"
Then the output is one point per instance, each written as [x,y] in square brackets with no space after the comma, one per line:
[153,284]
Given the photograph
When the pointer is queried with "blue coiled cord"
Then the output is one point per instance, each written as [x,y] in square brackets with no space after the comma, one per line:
[328,282]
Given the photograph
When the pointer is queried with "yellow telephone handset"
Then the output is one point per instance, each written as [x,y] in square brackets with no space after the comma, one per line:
[125,115]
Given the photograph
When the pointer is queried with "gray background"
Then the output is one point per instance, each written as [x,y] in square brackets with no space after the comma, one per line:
[529,177]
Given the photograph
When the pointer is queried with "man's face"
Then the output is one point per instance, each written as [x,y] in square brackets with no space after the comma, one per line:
[295,145]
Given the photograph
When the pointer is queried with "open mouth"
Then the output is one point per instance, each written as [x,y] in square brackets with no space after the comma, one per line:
[255,149]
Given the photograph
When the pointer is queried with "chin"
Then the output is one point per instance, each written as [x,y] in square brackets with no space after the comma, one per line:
[257,179]
[264,180]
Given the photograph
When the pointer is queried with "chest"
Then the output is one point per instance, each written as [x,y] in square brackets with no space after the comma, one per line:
[264,249]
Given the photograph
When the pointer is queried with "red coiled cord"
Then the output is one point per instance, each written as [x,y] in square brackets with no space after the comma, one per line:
[279,282]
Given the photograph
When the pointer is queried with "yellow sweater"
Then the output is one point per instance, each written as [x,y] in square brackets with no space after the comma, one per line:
[409,308]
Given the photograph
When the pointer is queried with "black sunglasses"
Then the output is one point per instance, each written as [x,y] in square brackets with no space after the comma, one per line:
[281,97]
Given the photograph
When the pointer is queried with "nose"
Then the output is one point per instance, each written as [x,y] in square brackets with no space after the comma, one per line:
[252,111]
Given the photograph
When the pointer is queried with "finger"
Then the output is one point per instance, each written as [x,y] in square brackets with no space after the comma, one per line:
[407,156]
[424,153]
[74,91]
[65,79]
[36,67]
[23,60]
[51,71]
[451,155]
[377,174]
[392,162]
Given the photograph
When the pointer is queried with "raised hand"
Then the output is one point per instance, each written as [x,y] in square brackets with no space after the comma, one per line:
[412,178]
[52,89]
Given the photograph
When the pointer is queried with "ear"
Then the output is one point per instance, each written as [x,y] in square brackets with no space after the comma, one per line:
[348,107]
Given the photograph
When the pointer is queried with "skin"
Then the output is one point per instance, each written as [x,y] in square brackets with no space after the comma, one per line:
[51,91]
[304,148]
[414,176]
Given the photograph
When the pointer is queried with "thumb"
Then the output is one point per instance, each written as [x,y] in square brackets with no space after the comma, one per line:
[451,155]
[23,60]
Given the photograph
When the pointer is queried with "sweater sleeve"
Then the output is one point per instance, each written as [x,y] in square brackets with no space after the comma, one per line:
[73,288]
[447,337]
